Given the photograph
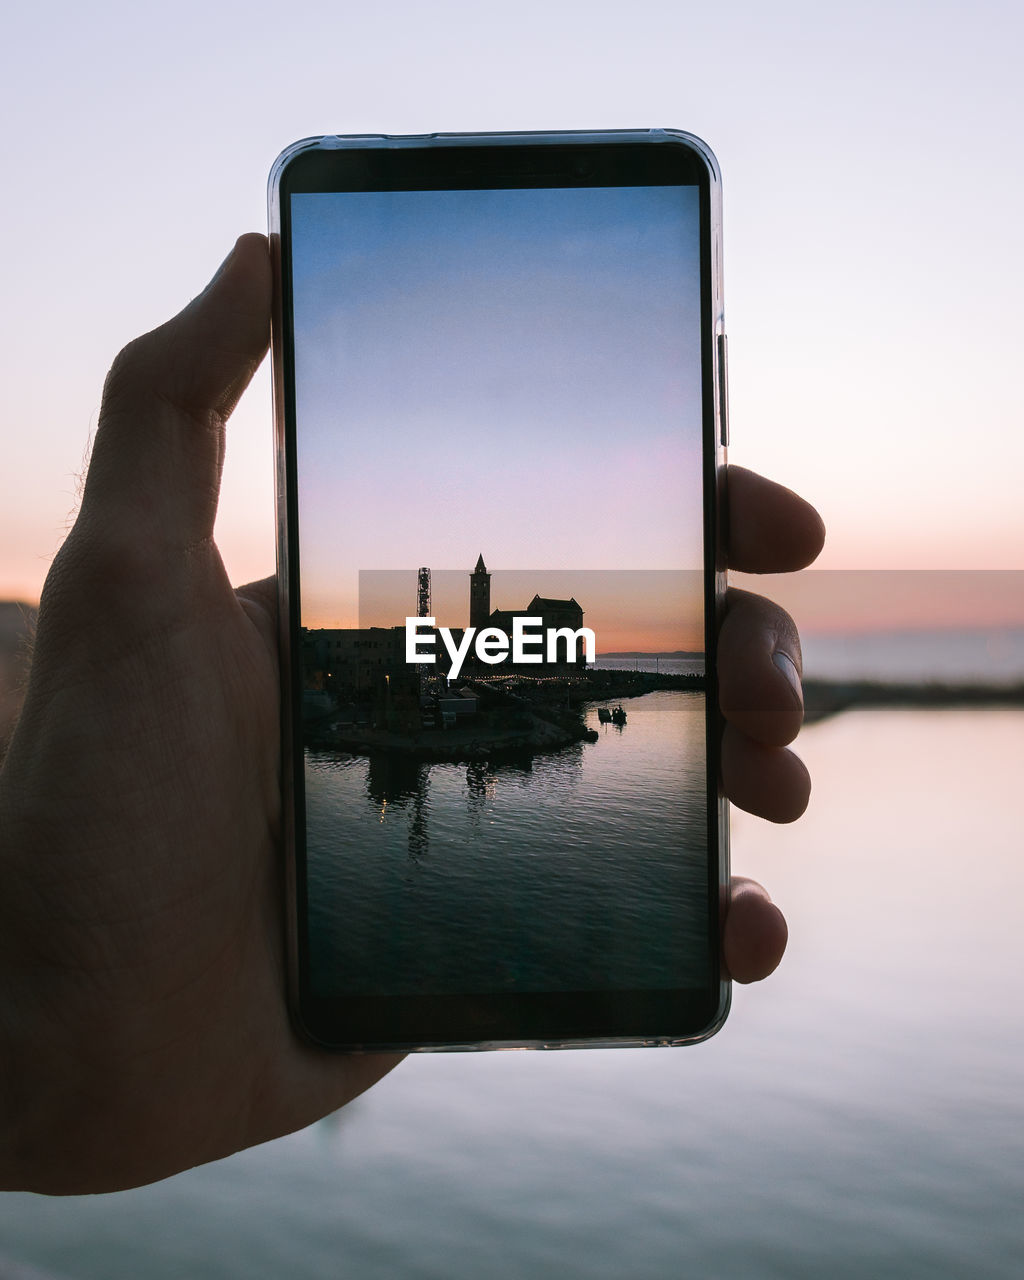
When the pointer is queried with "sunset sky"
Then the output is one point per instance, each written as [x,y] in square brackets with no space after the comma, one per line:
[467,373]
[650,611]
[872,167]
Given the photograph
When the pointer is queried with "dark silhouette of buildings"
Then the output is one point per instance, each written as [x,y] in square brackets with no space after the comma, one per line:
[552,613]
[367,665]
[480,596]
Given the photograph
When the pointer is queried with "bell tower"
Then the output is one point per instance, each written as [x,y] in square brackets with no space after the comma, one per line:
[479,595]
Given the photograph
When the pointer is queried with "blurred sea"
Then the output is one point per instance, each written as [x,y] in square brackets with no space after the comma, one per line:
[860,1115]
[992,655]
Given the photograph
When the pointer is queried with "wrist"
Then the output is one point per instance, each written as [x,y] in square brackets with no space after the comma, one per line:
[23,1060]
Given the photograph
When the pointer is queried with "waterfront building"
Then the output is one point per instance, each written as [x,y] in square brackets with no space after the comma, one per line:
[479,596]
[553,613]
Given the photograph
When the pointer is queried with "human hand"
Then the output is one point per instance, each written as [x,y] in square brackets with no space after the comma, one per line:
[144,1027]
[770,530]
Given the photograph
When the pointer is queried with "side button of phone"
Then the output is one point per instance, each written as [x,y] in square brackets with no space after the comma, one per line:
[723,388]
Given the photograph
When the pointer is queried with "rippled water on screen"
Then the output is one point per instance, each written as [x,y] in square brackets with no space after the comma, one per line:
[579,870]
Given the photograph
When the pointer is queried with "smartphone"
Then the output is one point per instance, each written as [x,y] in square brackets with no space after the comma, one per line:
[499,371]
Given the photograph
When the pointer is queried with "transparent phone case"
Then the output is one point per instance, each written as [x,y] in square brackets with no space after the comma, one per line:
[374,142]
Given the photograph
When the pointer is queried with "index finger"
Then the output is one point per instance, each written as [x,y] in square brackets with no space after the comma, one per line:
[770,528]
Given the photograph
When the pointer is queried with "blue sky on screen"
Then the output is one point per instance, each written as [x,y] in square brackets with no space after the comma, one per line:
[509,372]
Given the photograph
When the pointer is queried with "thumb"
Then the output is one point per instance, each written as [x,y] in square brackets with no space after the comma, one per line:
[156,462]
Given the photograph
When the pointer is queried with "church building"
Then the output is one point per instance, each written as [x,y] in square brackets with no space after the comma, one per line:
[551,612]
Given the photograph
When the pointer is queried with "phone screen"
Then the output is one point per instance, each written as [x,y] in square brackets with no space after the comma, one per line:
[504,786]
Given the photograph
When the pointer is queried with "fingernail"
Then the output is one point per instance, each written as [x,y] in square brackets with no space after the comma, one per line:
[787,666]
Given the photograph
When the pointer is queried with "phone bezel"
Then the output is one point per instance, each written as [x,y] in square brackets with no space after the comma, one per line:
[461,162]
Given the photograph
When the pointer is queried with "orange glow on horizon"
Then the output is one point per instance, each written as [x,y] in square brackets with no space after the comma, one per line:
[837,601]
[644,611]
[822,601]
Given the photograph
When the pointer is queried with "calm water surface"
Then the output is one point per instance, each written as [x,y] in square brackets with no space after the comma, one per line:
[860,1116]
[581,870]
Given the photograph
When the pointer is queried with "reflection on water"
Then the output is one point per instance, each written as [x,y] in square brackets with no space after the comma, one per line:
[576,870]
[396,783]
[401,783]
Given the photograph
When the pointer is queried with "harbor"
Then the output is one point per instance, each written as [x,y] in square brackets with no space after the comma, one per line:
[485,718]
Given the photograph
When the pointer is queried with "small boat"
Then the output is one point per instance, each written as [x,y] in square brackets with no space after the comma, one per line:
[618,716]
[604,715]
